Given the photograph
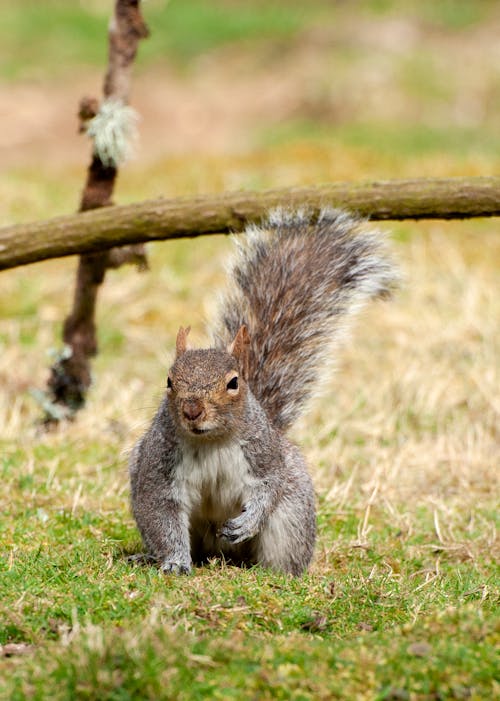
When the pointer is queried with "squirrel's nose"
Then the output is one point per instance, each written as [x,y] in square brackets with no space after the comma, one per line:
[192,409]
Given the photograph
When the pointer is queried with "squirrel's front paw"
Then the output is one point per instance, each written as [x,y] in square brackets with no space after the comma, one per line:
[171,567]
[243,527]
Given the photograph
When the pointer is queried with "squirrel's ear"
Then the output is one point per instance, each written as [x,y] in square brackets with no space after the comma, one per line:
[181,341]
[239,349]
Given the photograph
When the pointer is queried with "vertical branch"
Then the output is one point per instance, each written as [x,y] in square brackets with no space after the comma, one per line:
[110,126]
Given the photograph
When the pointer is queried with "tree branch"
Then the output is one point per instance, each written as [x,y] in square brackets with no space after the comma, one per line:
[108,124]
[98,230]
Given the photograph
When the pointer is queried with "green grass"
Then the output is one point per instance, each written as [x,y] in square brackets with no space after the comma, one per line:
[59,36]
[163,662]
[394,615]
[446,14]
[37,39]
[386,139]
[188,29]
[456,14]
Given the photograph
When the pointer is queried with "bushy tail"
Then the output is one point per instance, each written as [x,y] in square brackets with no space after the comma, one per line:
[295,285]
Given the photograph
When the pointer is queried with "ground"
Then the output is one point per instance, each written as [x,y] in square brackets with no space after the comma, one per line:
[402,599]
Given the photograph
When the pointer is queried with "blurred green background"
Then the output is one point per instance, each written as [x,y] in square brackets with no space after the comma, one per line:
[57,35]
[304,91]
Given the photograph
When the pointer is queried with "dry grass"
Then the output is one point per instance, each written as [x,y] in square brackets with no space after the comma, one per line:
[403,447]
[419,387]
[409,419]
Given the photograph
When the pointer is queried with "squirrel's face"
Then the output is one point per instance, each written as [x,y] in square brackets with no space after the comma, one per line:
[206,388]
[205,393]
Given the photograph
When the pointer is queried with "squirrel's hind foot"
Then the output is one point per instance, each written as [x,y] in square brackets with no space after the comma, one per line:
[169,567]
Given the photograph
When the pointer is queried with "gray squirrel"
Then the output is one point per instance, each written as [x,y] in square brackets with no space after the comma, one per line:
[215,474]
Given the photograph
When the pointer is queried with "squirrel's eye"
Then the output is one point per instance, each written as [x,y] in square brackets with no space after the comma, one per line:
[169,383]
[233,383]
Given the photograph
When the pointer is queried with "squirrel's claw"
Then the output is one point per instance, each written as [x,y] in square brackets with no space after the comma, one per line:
[169,567]
[239,529]
[141,559]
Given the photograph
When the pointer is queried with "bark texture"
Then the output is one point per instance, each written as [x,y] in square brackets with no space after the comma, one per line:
[70,376]
[92,232]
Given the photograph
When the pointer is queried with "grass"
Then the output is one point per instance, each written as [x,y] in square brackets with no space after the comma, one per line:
[69,35]
[401,601]
[386,139]
[61,37]
[396,602]
[162,662]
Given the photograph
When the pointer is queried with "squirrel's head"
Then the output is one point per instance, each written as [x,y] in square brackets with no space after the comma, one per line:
[206,387]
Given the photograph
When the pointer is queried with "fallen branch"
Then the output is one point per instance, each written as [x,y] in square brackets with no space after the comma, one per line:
[98,230]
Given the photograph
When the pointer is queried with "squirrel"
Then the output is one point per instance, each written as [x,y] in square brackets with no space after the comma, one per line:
[215,474]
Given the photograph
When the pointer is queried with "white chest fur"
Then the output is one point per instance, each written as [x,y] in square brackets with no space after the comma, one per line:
[214,480]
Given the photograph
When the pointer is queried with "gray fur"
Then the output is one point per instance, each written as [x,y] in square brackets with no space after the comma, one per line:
[295,286]
[245,532]
[215,475]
